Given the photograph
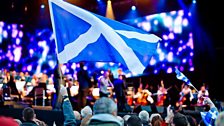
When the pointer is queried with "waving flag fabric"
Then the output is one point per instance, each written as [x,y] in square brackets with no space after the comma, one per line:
[210,116]
[182,77]
[83,36]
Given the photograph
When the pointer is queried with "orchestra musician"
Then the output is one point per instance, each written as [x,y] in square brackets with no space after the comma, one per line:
[71,95]
[10,82]
[38,81]
[202,94]
[161,94]
[186,95]
[143,96]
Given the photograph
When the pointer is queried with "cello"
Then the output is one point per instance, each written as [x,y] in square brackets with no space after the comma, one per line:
[143,95]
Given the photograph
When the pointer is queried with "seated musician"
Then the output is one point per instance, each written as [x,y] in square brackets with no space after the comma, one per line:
[38,82]
[161,95]
[143,96]
[9,82]
[202,94]
[186,95]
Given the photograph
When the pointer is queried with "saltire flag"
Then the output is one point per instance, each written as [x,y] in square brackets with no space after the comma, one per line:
[210,116]
[84,36]
[182,77]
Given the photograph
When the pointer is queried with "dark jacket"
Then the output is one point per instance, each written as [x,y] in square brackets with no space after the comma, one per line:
[104,120]
[83,79]
[28,123]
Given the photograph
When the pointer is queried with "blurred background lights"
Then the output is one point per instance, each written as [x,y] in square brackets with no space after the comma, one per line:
[194,1]
[155,22]
[29,67]
[38,48]
[42,6]
[133,8]
[17,53]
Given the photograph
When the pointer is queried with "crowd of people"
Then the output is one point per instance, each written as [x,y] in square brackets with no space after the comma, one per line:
[105,113]
[105,109]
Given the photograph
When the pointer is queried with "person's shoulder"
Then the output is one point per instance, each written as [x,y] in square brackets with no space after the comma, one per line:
[28,124]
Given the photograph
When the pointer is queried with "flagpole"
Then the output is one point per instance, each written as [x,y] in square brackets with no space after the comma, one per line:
[194,88]
[59,99]
[58,81]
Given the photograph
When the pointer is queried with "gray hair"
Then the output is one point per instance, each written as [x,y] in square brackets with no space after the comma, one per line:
[104,105]
[86,111]
[144,116]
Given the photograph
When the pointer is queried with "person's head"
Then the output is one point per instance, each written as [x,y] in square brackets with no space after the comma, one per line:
[21,74]
[7,73]
[109,71]
[81,64]
[126,117]
[156,119]
[160,88]
[77,115]
[86,111]
[157,122]
[203,88]
[134,120]
[186,86]
[28,114]
[70,82]
[106,74]
[120,71]
[180,120]
[144,116]
[105,105]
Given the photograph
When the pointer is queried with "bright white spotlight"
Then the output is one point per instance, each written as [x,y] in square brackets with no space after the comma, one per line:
[194,1]
[42,6]
[133,8]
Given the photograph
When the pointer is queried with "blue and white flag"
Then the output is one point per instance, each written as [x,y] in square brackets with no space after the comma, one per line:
[182,77]
[83,36]
[210,116]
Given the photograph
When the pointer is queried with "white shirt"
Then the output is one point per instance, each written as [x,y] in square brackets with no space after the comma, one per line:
[104,83]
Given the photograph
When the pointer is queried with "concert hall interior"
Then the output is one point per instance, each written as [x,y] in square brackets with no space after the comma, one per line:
[182,60]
